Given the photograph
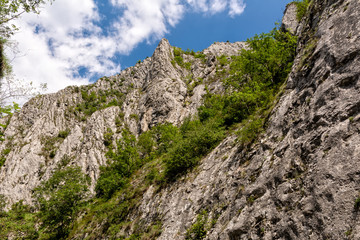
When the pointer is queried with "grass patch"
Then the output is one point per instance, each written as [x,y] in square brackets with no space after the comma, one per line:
[301,8]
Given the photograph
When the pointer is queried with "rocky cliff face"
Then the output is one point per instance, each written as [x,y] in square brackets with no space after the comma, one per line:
[71,124]
[299,181]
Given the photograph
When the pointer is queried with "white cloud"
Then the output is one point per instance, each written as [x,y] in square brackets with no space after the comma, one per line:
[144,20]
[67,40]
[66,36]
[236,7]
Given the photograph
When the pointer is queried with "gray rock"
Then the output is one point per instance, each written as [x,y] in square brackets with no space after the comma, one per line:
[155,91]
[289,21]
[299,181]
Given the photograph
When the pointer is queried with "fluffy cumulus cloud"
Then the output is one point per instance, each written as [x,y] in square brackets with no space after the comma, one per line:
[66,38]
[56,44]
[144,20]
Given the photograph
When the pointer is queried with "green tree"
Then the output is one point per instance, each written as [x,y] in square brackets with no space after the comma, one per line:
[255,75]
[12,9]
[59,199]
[198,138]
[121,164]
[19,221]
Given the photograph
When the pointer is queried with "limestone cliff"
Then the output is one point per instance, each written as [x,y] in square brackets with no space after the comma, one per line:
[300,180]
[72,123]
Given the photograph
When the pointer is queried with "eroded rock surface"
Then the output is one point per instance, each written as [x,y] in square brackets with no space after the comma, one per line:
[299,181]
[289,21]
[152,92]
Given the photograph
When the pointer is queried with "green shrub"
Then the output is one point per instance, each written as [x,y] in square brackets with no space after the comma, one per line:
[19,222]
[301,8]
[198,230]
[63,134]
[179,60]
[121,164]
[223,60]
[178,51]
[146,144]
[3,155]
[201,56]
[198,138]
[108,137]
[134,116]
[255,77]
[251,128]
[58,200]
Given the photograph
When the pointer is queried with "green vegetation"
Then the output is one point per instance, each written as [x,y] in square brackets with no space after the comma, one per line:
[122,162]
[198,230]
[63,134]
[59,199]
[5,67]
[95,101]
[195,140]
[7,112]
[10,10]
[223,61]
[162,154]
[134,116]
[348,232]
[108,137]
[51,144]
[302,6]
[256,76]
[20,221]
[357,203]
[3,155]
[178,59]
[307,52]
[192,83]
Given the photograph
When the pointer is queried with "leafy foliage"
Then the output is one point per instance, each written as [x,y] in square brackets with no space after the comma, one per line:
[198,230]
[59,199]
[7,111]
[197,139]
[302,6]
[94,101]
[19,221]
[64,133]
[121,164]
[12,9]
[255,77]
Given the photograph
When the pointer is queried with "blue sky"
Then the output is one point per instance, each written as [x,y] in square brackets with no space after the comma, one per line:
[76,42]
[198,31]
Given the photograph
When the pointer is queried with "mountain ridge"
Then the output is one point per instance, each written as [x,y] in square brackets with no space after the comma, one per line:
[299,180]
[43,117]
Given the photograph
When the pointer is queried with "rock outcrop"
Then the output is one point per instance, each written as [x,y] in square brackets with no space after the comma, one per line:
[299,181]
[72,123]
[290,21]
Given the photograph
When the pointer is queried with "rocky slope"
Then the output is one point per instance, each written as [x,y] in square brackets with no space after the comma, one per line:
[299,181]
[72,123]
